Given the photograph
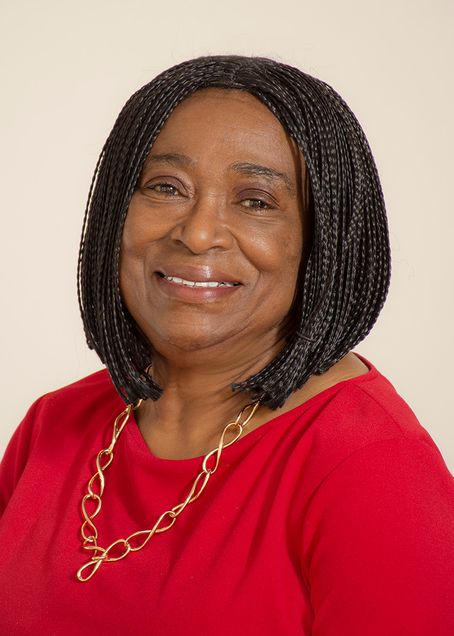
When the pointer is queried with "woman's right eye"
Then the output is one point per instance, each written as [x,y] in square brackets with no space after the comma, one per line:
[163,188]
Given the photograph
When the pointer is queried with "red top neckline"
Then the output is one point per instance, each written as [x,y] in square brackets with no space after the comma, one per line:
[141,446]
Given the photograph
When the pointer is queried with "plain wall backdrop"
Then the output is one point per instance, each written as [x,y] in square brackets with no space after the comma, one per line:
[68,68]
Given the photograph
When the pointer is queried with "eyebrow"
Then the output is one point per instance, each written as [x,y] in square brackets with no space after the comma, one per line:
[173,158]
[241,167]
[254,169]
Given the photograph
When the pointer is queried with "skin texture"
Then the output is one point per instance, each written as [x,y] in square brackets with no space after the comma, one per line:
[200,213]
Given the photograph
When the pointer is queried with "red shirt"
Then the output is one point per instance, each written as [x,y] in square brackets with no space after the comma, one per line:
[333,519]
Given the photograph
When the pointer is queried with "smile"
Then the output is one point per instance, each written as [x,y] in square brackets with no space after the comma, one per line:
[187,290]
[194,283]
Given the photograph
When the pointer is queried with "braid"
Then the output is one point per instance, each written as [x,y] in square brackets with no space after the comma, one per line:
[345,279]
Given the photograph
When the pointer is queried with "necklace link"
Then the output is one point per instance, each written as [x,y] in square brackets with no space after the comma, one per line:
[120,548]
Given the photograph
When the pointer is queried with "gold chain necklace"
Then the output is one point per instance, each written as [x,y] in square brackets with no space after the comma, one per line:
[120,548]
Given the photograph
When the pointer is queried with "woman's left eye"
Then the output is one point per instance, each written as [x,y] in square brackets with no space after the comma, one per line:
[259,204]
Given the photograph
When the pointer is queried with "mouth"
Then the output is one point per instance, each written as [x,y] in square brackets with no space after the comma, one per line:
[204,284]
[196,284]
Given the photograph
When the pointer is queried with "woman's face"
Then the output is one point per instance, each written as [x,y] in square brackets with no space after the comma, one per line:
[213,236]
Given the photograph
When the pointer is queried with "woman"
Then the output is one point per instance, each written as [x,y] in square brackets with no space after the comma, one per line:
[235,249]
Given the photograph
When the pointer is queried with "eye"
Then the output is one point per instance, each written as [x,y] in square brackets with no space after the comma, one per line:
[163,188]
[258,204]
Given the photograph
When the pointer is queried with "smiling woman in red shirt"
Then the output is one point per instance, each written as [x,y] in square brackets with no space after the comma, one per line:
[236,467]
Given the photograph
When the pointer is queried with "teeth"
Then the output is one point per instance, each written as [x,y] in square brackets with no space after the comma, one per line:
[193,283]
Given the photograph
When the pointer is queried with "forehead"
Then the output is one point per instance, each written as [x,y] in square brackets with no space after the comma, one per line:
[221,122]
[235,100]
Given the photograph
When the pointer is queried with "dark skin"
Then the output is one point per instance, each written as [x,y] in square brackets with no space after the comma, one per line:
[220,204]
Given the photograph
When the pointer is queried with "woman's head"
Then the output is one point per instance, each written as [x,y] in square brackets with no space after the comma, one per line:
[310,264]
[218,197]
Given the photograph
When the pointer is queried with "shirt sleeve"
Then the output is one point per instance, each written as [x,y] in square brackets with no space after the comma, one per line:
[16,456]
[379,547]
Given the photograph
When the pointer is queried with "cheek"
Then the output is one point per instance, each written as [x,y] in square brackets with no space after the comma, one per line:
[135,231]
[277,256]
[141,229]
[132,254]
[277,253]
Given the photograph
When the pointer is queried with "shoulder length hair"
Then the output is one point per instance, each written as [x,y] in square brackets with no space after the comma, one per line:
[346,274]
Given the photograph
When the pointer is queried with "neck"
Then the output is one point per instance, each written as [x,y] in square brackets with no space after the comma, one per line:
[198,401]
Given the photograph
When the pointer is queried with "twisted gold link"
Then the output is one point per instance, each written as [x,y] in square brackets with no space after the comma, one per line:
[112,553]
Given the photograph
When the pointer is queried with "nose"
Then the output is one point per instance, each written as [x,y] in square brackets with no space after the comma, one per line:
[204,227]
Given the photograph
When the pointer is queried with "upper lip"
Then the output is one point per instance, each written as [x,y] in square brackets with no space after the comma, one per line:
[202,273]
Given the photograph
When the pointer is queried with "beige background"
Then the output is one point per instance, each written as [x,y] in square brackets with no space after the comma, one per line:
[67,69]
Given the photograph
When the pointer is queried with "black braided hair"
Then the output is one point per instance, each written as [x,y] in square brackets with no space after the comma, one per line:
[346,274]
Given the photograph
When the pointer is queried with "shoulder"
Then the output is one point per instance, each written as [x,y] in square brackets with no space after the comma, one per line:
[360,416]
[73,406]
[55,425]
[95,386]
[379,520]
[370,408]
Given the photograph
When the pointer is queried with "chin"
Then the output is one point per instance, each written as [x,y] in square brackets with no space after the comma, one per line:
[187,342]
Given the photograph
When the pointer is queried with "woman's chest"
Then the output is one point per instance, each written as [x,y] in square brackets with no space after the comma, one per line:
[230,559]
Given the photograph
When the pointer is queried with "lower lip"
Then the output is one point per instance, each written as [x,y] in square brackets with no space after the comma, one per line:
[194,294]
